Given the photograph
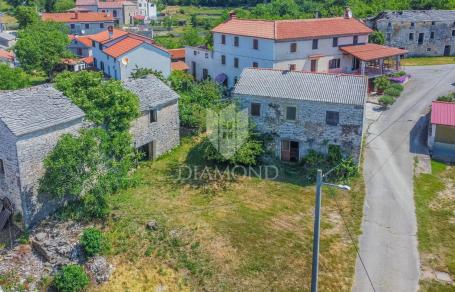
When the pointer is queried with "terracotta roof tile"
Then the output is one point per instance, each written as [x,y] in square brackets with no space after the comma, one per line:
[87,60]
[177,53]
[77,17]
[293,29]
[103,36]
[179,66]
[82,39]
[443,113]
[122,47]
[369,52]
[6,55]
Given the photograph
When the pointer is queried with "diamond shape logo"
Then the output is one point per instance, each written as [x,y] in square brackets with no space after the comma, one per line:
[227,129]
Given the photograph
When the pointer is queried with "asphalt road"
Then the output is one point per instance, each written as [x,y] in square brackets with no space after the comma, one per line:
[388,244]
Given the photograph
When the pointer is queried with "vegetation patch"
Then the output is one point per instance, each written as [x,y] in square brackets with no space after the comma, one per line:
[427,61]
[71,278]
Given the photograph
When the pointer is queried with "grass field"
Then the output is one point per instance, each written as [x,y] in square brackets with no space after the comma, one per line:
[243,234]
[435,205]
[426,61]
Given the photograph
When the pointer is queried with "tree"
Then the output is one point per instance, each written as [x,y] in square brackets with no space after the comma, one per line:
[143,72]
[13,78]
[377,37]
[41,47]
[63,5]
[26,16]
[191,37]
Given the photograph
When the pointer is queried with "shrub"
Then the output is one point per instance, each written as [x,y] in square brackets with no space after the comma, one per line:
[386,100]
[392,91]
[381,83]
[448,98]
[93,242]
[71,278]
[397,86]
[399,74]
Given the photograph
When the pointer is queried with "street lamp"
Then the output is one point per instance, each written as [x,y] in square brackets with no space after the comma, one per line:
[317,226]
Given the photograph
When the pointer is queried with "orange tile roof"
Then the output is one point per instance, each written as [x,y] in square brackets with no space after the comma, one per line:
[6,55]
[85,40]
[179,66]
[87,60]
[77,17]
[293,29]
[103,36]
[177,53]
[369,52]
[122,47]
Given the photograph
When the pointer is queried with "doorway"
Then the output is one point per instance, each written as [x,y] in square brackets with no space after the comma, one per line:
[314,65]
[148,150]
[447,51]
[289,151]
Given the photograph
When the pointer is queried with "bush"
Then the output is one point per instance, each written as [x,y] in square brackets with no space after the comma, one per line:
[399,74]
[447,98]
[93,242]
[71,278]
[397,86]
[386,100]
[381,83]
[392,92]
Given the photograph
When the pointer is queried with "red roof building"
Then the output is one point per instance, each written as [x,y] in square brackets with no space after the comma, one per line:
[443,113]
[441,134]
[75,17]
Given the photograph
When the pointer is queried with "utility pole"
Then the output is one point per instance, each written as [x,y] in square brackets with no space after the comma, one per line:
[316,232]
[317,224]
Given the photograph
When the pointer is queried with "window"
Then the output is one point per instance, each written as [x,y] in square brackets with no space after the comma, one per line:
[205,73]
[453,32]
[195,53]
[433,22]
[334,63]
[332,118]
[255,65]
[420,38]
[101,25]
[87,25]
[389,25]
[100,46]
[153,116]
[79,52]
[432,35]
[206,55]
[73,26]
[236,41]
[255,109]
[223,59]
[293,47]
[114,13]
[256,44]
[223,39]
[102,65]
[315,44]
[236,62]
[428,49]
[291,113]
[292,67]
[335,42]
[93,44]
[95,62]
[389,37]
[412,24]
[411,36]
[355,40]
[2,167]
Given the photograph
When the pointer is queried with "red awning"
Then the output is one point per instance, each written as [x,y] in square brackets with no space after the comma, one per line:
[370,52]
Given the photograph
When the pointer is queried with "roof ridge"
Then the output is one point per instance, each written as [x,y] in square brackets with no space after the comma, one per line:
[304,72]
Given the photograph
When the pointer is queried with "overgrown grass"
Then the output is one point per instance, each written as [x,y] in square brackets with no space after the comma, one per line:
[239,234]
[426,61]
[434,197]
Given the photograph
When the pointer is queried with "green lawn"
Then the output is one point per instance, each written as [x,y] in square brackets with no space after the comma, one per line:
[435,205]
[243,234]
[426,61]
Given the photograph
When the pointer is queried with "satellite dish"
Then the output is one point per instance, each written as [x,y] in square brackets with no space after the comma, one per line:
[125,61]
[82,31]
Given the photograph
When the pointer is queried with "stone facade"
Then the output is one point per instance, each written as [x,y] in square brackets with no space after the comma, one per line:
[309,128]
[163,133]
[422,33]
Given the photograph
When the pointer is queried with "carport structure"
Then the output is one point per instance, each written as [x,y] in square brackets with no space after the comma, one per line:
[374,60]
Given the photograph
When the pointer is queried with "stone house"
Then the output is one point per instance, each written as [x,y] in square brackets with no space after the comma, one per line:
[122,11]
[302,110]
[31,122]
[421,32]
[156,131]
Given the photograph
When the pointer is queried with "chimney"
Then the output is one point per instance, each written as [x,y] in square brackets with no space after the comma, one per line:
[347,13]
[232,15]
[76,14]
[110,31]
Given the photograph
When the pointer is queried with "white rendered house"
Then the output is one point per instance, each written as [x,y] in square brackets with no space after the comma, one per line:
[333,45]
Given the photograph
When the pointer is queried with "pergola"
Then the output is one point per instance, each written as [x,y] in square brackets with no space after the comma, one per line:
[374,55]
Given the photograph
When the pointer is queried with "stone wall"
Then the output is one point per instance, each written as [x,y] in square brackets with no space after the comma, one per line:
[32,149]
[165,131]
[309,128]
[397,35]
[9,181]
